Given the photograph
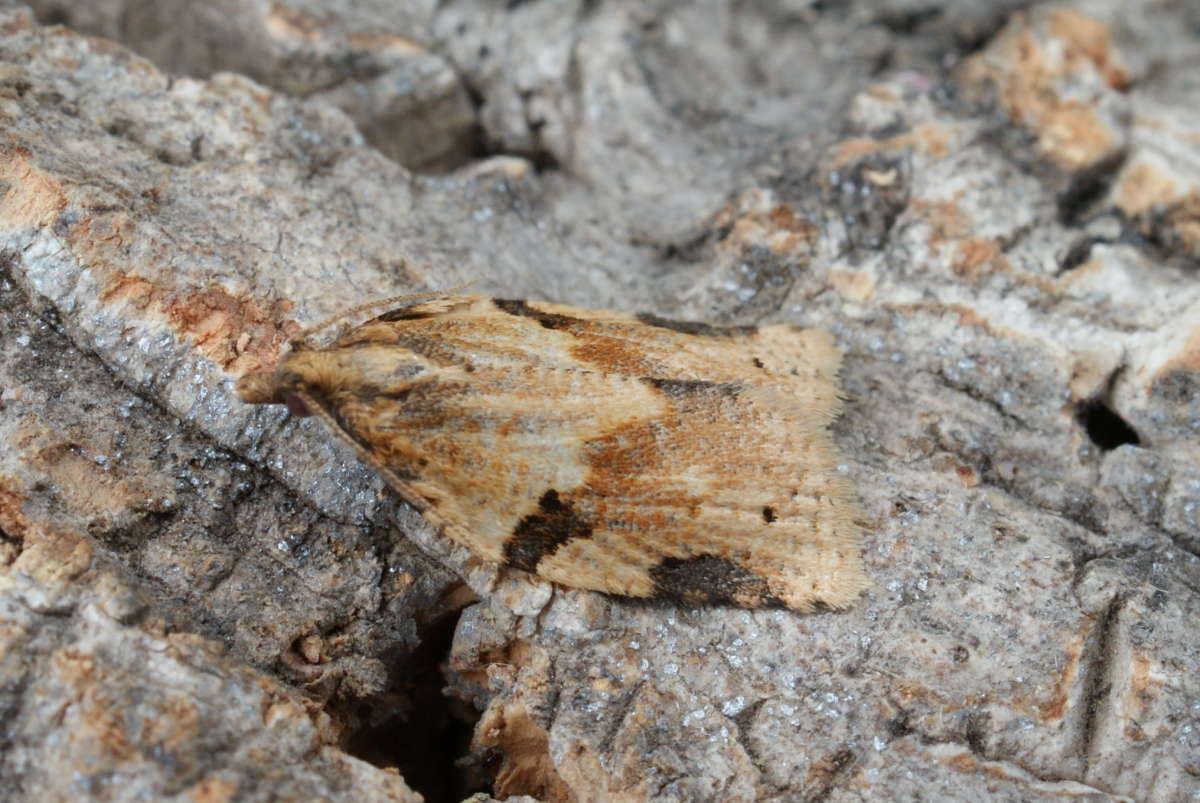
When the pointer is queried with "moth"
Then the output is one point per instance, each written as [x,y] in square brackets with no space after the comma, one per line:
[631,455]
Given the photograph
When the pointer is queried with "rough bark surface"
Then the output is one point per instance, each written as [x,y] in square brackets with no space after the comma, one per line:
[995,211]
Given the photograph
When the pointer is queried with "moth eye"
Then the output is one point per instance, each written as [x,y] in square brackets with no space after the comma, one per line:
[296,405]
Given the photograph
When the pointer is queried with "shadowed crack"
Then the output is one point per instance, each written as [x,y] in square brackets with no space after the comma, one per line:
[827,773]
[975,733]
[1098,686]
[743,721]
[1087,191]
[975,394]
[624,705]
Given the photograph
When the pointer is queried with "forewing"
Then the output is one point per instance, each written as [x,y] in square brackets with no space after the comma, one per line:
[622,455]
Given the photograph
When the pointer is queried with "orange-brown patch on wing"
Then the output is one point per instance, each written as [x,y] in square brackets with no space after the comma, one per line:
[614,356]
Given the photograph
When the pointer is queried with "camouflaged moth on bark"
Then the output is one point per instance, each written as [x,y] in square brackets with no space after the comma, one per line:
[631,455]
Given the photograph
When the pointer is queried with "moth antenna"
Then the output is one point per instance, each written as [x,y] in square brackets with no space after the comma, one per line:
[301,337]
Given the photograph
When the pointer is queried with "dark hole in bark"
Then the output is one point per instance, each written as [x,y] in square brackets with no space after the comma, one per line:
[55,15]
[1085,192]
[1106,429]
[1078,254]
[426,740]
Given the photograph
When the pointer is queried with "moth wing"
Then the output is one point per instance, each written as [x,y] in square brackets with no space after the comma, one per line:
[697,490]
[604,452]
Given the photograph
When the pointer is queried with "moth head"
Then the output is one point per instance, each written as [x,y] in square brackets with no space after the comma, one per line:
[323,375]
[299,374]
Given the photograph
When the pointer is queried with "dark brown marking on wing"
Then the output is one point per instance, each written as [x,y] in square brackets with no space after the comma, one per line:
[687,388]
[550,320]
[542,533]
[711,579]
[768,514]
[420,311]
[407,314]
[694,327]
